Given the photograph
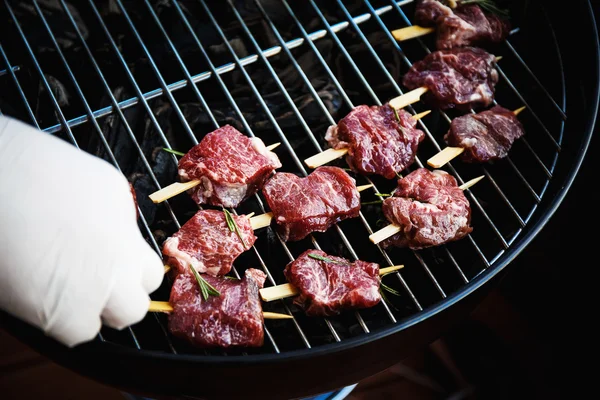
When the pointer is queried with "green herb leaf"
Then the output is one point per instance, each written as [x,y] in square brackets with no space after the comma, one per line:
[177,153]
[233,278]
[383,194]
[396,114]
[321,258]
[206,289]
[398,175]
[366,203]
[385,288]
[233,226]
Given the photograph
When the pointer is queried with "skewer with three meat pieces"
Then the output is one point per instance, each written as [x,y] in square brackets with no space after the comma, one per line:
[458,24]
[482,137]
[383,139]
[224,169]
[427,209]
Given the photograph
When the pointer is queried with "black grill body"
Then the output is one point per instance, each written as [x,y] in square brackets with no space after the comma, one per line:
[119,87]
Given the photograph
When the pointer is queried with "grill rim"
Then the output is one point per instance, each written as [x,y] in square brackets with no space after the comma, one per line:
[475,283]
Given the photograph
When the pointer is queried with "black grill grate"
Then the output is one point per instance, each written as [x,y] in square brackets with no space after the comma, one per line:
[97,74]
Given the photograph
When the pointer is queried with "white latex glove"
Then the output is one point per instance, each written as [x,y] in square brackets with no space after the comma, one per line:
[71,253]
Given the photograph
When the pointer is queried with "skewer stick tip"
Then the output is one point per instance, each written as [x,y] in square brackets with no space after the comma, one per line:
[498,58]
[272,315]
[421,115]
[273,146]
[387,270]
[160,306]
[470,183]
[364,187]
[172,190]
[518,110]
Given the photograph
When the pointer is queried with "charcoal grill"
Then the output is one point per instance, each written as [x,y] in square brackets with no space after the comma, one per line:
[122,79]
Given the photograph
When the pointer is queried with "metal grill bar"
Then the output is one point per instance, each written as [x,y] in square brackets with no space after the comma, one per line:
[304,125]
[271,119]
[38,68]
[345,96]
[215,123]
[19,88]
[221,70]
[249,130]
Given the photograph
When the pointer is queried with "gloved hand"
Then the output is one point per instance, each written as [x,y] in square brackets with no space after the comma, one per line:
[72,255]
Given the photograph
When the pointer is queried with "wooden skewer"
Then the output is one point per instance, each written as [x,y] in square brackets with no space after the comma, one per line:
[333,154]
[179,187]
[411,32]
[392,229]
[165,307]
[449,153]
[287,290]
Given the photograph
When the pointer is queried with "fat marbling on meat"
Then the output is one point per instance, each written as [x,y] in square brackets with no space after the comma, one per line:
[232,319]
[465,25]
[329,285]
[462,78]
[379,140]
[429,208]
[485,136]
[206,242]
[312,203]
[229,165]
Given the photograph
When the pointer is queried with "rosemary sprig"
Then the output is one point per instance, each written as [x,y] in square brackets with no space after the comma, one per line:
[396,114]
[383,194]
[321,258]
[177,153]
[385,288]
[366,203]
[233,226]
[233,278]
[206,289]
[489,6]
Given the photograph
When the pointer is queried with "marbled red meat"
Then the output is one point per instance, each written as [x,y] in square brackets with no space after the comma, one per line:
[233,319]
[377,141]
[485,136]
[430,209]
[329,287]
[207,243]
[313,203]
[466,25]
[461,78]
[229,165]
